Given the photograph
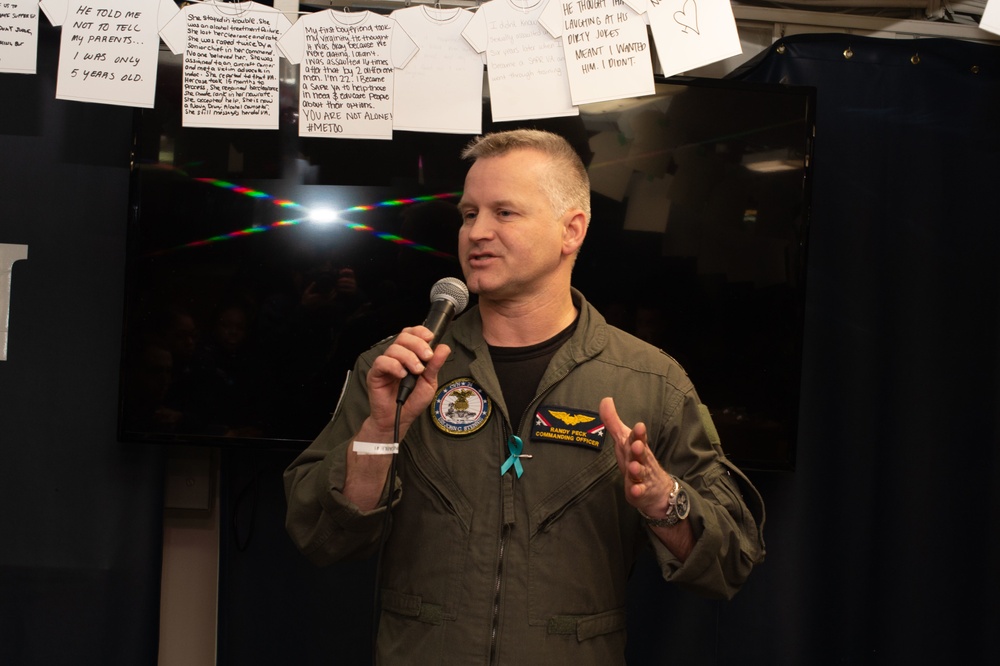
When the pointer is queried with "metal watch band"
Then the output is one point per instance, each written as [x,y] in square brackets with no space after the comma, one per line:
[671,516]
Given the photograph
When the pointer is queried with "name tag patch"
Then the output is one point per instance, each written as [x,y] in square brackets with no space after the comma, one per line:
[565,425]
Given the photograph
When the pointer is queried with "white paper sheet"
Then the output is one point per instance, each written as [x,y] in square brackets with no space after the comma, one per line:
[526,67]
[8,255]
[18,36]
[441,88]
[990,19]
[606,47]
[346,72]
[230,63]
[108,48]
[690,33]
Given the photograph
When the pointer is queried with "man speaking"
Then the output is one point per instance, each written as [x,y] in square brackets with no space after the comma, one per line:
[539,450]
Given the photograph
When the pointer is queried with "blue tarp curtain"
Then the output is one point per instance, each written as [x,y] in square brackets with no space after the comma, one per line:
[889,546]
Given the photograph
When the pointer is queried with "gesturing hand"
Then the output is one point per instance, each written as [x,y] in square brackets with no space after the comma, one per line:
[647,485]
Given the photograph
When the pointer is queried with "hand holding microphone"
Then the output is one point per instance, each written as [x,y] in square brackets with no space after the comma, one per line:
[394,374]
[397,370]
[449,296]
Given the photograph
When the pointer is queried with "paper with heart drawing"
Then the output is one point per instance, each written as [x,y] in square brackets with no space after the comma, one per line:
[690,33]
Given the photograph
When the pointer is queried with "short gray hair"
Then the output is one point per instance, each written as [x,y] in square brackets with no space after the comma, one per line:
[567,182]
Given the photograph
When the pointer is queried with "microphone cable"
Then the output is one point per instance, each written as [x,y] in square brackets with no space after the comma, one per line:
[384,536]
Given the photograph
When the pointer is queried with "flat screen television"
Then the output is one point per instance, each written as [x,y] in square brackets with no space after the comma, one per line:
[259,264]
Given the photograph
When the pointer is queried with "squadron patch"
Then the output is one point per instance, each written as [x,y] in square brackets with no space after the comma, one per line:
[564,425]
[460,407]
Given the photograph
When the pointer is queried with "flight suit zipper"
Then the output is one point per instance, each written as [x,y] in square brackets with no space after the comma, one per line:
[506,521]
[495,629]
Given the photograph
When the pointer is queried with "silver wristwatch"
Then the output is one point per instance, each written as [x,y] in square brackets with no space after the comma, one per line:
[678,508]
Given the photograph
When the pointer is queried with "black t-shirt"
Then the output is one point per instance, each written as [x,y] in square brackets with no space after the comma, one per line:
[519,369]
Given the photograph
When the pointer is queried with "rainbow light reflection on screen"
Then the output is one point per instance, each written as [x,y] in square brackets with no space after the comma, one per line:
[285,203]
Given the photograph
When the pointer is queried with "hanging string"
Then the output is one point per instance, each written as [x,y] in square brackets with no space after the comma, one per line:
[346,8]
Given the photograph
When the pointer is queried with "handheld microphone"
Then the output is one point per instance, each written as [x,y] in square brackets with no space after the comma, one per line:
[449,296]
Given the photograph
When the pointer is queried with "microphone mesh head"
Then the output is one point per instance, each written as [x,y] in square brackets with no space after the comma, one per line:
[451,289]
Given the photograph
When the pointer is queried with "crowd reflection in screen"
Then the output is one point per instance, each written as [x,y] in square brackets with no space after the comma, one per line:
[268,357]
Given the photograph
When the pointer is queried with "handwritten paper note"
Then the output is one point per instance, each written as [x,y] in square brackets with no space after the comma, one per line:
[526,67]
[18,36]
[346,72]
[441,89]
[107,51]
[690,33]
[606,48]
[230,63]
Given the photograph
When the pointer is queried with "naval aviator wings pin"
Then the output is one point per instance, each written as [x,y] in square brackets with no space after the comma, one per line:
[567,425]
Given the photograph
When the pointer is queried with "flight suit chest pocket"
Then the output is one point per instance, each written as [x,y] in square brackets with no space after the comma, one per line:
[437,516]
[577,560]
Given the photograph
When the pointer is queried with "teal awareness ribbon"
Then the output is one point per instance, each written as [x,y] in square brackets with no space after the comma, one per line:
[515,446]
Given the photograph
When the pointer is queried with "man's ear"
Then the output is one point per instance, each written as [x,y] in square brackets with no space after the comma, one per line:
[574,231]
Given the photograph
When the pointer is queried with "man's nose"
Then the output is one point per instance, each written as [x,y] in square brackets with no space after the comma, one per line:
[481,227]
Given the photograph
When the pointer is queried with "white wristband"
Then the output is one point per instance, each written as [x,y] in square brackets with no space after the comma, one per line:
[375,448]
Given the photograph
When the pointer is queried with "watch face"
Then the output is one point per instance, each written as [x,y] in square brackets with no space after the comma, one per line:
[683,506]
